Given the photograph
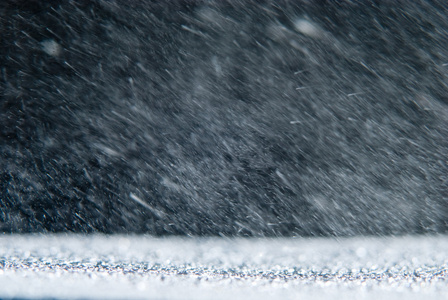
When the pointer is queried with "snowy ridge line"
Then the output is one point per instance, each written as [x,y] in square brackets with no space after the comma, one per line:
[144,267]
[421,275]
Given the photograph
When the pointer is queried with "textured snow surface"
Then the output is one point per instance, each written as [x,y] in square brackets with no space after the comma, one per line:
[135,267]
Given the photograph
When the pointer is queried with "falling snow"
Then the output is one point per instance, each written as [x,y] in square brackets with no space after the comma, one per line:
[224,118]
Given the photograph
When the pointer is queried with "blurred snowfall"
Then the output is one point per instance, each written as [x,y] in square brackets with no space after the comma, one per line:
[246,118]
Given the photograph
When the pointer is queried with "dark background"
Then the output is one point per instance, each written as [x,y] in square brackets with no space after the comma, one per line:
[260,118]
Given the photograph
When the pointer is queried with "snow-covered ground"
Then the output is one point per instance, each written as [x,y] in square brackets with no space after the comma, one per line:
[137,267]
